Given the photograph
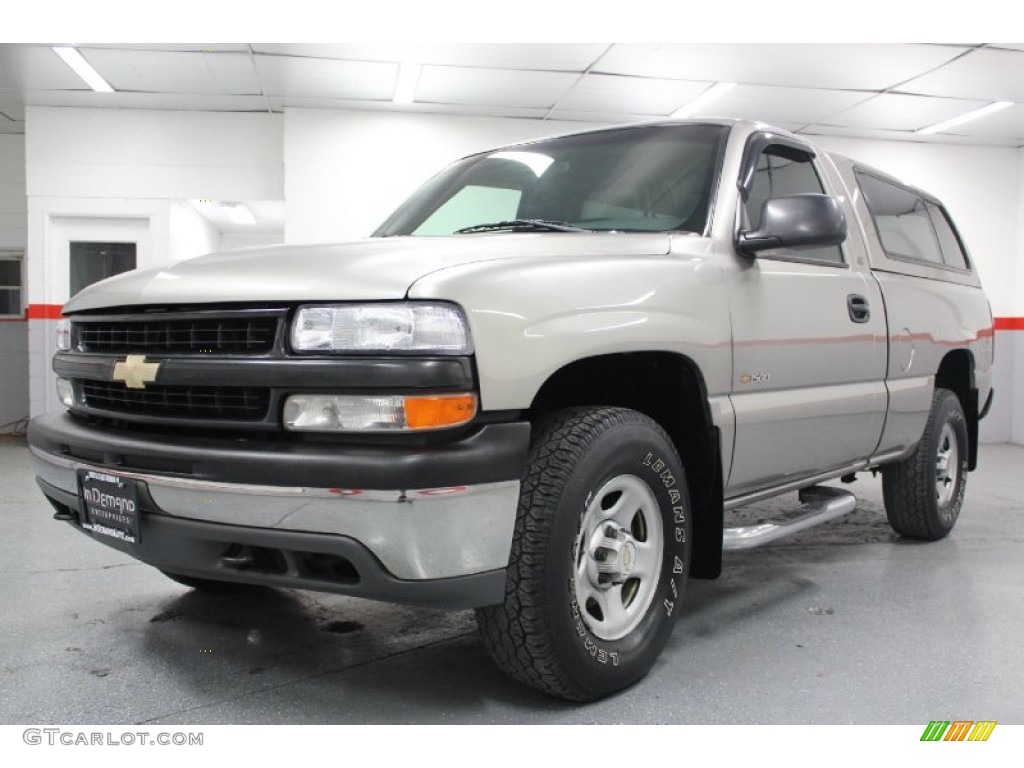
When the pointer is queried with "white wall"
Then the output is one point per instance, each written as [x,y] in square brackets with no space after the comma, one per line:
[13,230]
[1015,350]
[1019,305]
[346,171]
[153,154]
[230,241]
[189,234]
[13,236]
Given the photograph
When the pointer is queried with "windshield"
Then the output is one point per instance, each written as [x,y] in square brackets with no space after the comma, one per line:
[643,179]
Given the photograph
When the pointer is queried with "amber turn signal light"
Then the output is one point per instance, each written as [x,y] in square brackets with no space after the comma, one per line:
[434,411]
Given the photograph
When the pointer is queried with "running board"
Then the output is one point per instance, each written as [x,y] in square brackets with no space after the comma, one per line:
[820,504]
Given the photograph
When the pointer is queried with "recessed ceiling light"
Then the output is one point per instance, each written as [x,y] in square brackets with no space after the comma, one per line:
[714,92]
[405,85]
[967,117]
[238,213]
[83,68]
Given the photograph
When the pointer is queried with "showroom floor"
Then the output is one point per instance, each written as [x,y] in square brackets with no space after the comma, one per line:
[844,624]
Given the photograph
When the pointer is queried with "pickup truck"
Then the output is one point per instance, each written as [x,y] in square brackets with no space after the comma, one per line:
[537,390]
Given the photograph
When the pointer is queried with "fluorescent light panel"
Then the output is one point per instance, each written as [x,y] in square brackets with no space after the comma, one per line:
[990,109]
[405,85]
[716,91]
[83,68]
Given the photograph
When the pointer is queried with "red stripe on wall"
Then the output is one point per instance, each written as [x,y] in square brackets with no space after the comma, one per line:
[43,312]
[53,312]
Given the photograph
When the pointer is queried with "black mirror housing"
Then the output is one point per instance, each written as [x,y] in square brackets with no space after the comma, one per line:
[796,221]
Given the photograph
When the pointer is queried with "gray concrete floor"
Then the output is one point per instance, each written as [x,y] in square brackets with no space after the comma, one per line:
[843,624]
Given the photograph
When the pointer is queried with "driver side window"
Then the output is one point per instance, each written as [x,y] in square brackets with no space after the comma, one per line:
[780,176]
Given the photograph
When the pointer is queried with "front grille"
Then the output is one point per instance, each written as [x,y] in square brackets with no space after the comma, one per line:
[178,402]
[213,335]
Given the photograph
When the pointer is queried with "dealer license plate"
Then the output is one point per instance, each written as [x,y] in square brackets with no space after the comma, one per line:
[111,505]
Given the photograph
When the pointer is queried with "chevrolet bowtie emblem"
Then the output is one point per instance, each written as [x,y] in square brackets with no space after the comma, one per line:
[135,372]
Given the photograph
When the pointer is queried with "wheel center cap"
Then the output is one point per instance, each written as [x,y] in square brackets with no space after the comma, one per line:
[627,558]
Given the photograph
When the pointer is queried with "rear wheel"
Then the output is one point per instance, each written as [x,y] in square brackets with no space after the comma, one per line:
[924,492]
[599,557]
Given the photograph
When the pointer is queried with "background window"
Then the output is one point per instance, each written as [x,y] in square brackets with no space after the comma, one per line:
[92,262]
[779,176]
[10,286]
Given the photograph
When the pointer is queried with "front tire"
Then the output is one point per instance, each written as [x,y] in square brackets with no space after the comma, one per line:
[600,555]
[924,492]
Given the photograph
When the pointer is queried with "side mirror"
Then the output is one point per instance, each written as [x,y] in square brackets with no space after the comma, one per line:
[796,221]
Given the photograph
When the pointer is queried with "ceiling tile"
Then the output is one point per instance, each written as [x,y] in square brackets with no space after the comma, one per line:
[35,66]
[840,65]
[982,74]
[129,100]
[629,95]
[492,87]
[793,106]
[326,78]
[900,112]
[175,72]
[571,57]
[868,133]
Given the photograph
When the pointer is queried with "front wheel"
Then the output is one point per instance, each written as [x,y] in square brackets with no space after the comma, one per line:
[924,492]
[599,557]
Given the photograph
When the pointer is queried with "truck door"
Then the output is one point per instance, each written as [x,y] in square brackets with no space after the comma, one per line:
[809,340]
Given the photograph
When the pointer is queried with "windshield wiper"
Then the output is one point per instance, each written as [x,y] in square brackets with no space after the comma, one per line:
[522,225]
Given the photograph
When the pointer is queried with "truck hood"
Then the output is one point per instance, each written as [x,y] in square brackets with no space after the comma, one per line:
[373,269]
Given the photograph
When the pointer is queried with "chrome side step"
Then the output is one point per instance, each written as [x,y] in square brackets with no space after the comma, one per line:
[820,504]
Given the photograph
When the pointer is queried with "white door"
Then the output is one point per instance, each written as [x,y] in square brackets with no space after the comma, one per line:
[76,255]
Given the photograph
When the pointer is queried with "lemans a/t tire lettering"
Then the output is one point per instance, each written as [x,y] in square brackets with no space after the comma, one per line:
[599,558]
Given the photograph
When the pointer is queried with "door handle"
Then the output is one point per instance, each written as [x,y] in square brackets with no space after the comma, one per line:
[860,311]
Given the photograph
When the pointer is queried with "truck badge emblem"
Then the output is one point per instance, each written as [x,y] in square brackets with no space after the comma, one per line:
[135,372]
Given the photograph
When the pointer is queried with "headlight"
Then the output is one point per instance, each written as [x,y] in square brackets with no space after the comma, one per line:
[377,413]
[63,335]
[408,326]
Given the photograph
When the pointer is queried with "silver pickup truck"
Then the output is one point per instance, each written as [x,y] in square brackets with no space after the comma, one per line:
[537,390]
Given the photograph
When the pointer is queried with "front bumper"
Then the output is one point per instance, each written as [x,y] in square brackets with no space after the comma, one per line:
[360,520]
